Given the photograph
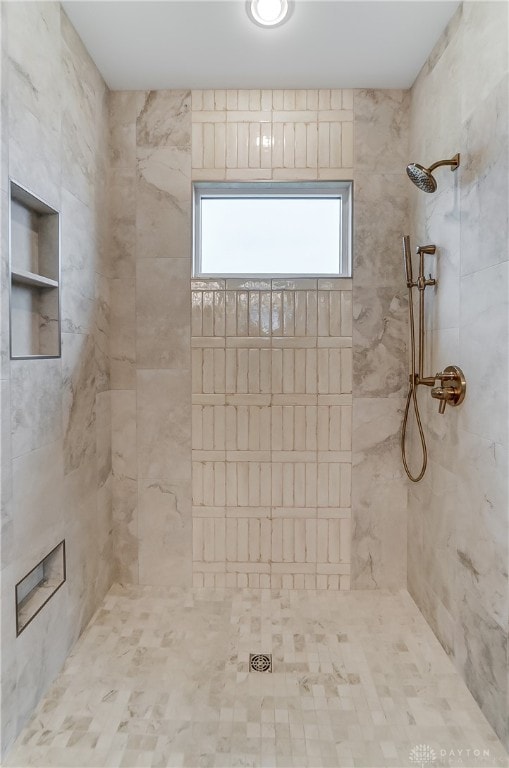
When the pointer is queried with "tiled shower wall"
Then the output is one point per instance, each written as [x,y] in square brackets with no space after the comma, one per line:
[55,414]
[272,414]
[272,365]
[278,478]
[458,515]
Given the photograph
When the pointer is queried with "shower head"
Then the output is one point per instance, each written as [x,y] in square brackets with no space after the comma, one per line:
[423,177]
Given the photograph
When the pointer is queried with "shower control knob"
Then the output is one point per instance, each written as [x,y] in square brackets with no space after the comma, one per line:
[453,387]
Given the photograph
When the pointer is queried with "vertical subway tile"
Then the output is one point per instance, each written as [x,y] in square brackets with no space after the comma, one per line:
[335,145]
[254,145]
[289,145]
[311,145]
[333,541]
[254,99]
[322,535]
[323,145]
[335,312]
[254,313]
[219,145]
[266,100]
[243,145]
[266,145]
[336,100]
[277,541]
[231,145]
[208,145]
[324,99]
[346,313]
[277,145]
[219,313]
[231,99]
[243,100]
[231,313]
[288,313]
[243,539]
[278,102]
[208,100]
[347,145]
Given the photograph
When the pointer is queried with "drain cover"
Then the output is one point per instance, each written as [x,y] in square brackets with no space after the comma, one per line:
[260,662]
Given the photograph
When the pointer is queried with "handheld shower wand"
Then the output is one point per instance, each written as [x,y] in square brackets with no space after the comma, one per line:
[416,376]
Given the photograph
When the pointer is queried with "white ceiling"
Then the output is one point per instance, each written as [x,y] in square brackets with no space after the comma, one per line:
[142,45]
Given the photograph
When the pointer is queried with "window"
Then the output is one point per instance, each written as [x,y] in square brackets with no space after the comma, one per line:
[275,229]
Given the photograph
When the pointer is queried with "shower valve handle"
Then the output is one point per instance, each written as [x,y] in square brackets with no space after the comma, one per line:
[452,393]
[445,395]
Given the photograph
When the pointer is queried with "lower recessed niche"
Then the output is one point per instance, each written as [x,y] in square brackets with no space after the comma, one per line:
[38,586]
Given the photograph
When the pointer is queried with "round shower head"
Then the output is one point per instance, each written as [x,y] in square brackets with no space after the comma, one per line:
[421,177]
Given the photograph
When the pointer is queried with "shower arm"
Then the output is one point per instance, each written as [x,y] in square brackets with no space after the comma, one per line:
[453,162]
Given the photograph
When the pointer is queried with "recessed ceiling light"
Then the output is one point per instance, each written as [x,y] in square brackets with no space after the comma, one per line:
[268,13]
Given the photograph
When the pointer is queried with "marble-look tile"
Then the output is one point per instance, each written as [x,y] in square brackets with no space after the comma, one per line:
[457,534]
[103,428]
[37,479]
[165,533]
[102,333]
[104,539]
[36,404]
[39,648]
[484,182]
[122,213]
[4,286]
[6,507]
[54,141]
[483,351]
[82,544]
[378,260]
[381,130]
[164,418]
[125,530]
[78,122]
[484,28]
[378,520]
[163,313]
[34,153]
[35,79]
[123,424]
[481,655]
[482,530]
[78,398]
[442,228]
[123,334]
[380,331]
[164,119]
[78,262]
[124,107]
[161,677]
[163,203]
[8,708]
[445,139]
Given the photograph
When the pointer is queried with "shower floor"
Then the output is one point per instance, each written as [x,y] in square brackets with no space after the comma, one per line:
[160,678]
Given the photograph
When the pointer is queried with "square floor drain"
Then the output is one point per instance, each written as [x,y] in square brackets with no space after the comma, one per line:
[260,662]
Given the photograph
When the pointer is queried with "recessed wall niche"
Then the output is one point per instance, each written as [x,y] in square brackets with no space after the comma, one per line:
[34,242]
[39,585]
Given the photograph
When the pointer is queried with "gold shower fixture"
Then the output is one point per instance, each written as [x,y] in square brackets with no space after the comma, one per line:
[452,387]
[423,177]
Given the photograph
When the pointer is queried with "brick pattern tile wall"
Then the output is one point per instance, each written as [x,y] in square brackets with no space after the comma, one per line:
[272,365]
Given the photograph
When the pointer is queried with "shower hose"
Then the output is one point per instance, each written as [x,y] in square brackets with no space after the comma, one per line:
[412,397]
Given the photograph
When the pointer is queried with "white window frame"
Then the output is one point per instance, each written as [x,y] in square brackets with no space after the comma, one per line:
[270,189]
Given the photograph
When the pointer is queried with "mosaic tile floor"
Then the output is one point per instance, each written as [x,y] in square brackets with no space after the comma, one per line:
[160,678]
